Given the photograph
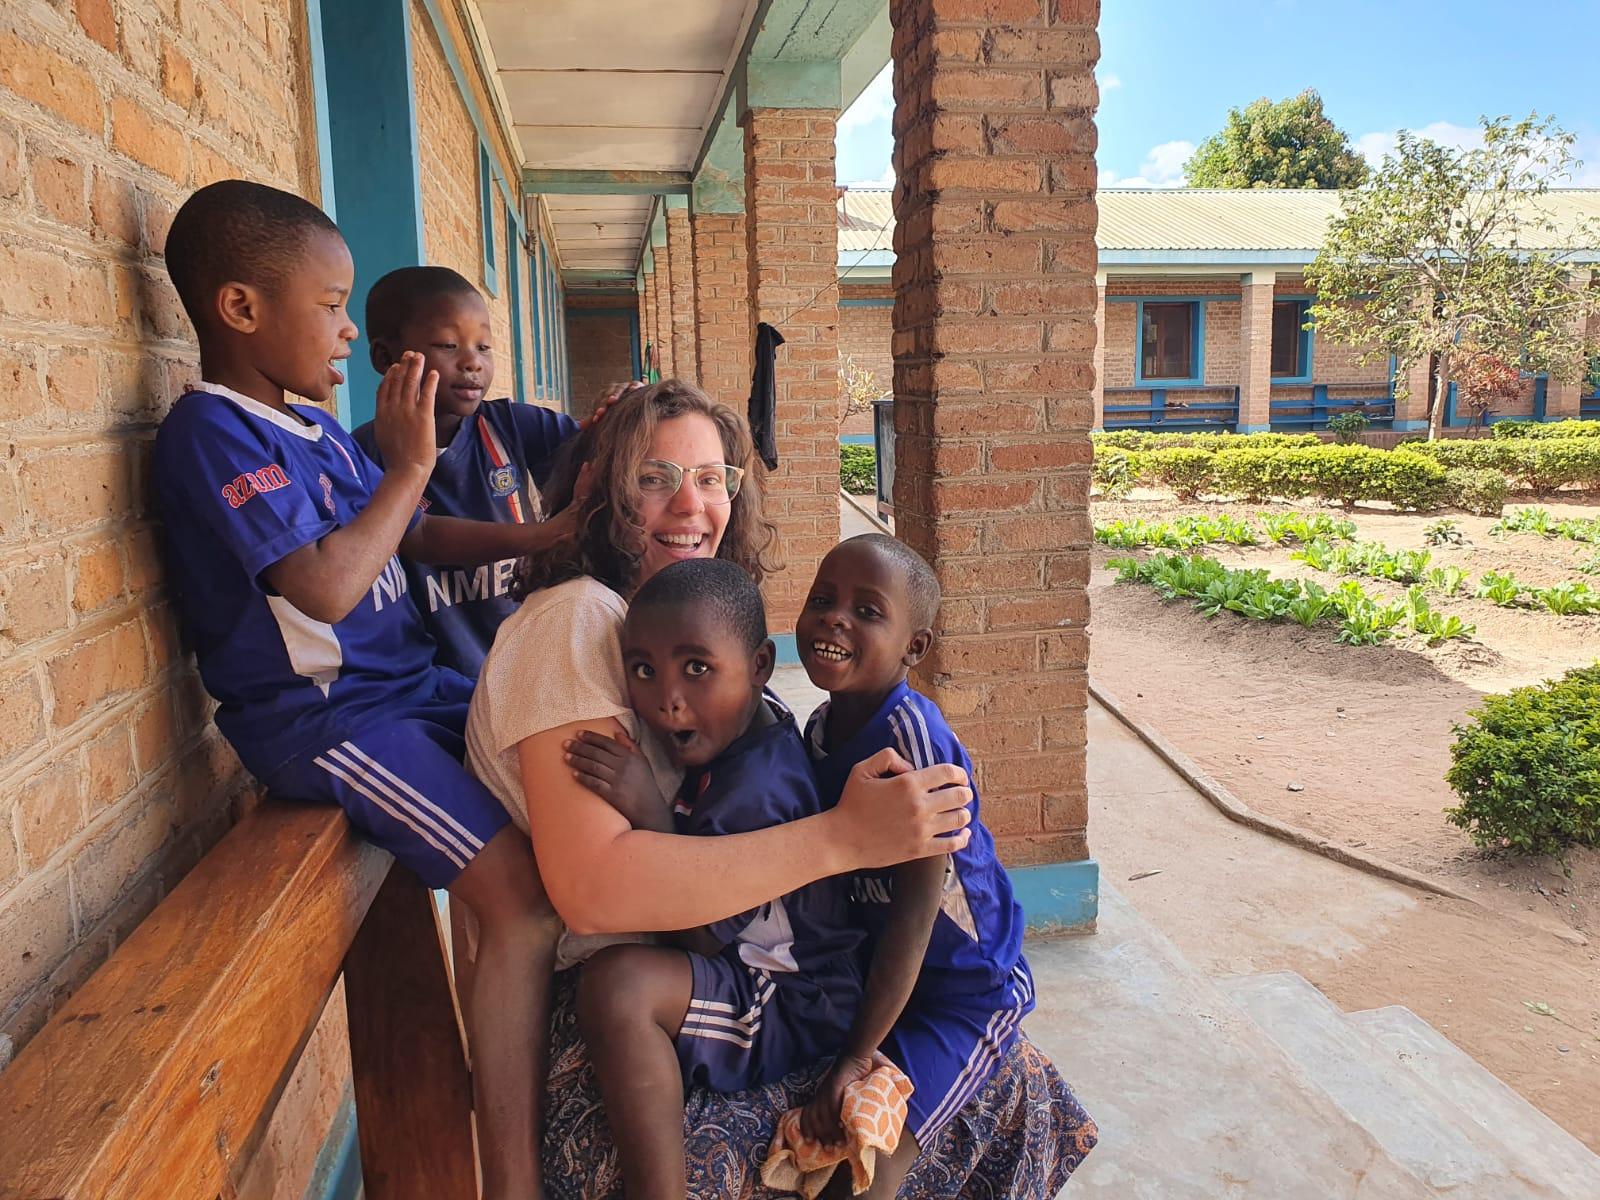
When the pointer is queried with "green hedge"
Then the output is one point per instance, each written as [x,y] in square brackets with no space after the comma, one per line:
[1142,439]
[858,469]
[1527,769]
[1476,491]
[1517,430]
[1256,473]
[1539,464]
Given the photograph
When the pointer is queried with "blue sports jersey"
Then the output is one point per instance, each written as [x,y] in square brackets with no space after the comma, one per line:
[763,779]
[239,486]
[977,936]
[490,471]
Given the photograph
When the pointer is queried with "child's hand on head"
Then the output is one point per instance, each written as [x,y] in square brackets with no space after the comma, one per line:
[403,424]
[615,769]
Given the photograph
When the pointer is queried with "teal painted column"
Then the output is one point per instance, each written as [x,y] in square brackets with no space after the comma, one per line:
[372,131]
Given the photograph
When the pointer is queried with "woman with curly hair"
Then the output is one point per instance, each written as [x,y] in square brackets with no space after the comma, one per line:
[669,475]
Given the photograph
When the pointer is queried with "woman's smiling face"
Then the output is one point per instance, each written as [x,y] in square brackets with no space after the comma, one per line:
[682,525]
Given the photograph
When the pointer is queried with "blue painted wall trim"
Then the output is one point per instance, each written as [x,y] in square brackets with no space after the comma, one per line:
[1219,298]
[1409,426]
[319,104]
[867,302]
[857,439]
[1255,428]
[337,1173]
[372,130]
[1058,896]
[788,652]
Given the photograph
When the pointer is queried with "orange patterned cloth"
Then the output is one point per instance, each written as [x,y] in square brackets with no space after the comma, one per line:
[873,1115]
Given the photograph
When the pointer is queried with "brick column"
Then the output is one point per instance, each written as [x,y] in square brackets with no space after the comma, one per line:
[1255,351]
[1561,398]
[791,235]
[1100,350]
[647,304]
[994,389]
[721,306]
[1412,412]
[664,354]
[681,263]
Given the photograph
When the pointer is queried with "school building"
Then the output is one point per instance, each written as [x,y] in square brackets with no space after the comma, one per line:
[1201,315]
[669,168]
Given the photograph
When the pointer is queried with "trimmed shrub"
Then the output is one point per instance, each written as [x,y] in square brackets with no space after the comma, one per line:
[1115,472]
[1335,473]
[1517,430]
[1255,474]
[858,469]
[1541,465]
[1527,769]
[1144,439]
[1184,469]
[1477,491]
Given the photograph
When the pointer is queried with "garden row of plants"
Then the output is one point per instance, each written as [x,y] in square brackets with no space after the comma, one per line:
[1361,619]
[1526,767]
[1539,521]
[1414,568]
[1181,533]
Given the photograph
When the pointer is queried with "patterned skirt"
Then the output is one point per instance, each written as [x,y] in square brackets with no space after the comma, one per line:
[1018,1139]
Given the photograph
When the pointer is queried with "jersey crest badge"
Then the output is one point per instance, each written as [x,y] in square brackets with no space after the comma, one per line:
[503,481]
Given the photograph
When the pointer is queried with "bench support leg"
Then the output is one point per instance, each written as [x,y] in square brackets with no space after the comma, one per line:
[413,1093]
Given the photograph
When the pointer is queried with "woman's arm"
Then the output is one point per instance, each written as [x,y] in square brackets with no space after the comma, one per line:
[605,877]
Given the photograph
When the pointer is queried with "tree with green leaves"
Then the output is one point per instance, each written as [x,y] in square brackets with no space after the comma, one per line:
[1449,256]
[1290,144]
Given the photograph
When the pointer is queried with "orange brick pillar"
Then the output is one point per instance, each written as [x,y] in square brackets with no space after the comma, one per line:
[721,305]
[663,258]
[681,254]
[1563,396]
[791,235]
[1099,350]
[1256,291]
[647,311]
[994,346]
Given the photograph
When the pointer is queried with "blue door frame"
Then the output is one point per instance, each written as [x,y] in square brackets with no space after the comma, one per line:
[371,175]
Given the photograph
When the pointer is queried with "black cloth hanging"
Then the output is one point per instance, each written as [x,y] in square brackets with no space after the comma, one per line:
[763,394]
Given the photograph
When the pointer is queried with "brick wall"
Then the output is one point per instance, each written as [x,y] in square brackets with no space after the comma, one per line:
[993,346]
[722,306]
[600,337]
[864,338]
[113,779]
[791,233]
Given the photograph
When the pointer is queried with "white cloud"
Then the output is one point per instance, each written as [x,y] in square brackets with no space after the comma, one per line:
[874,104]
[886,180]
[1109,81]
[1375,147]
[1162,168]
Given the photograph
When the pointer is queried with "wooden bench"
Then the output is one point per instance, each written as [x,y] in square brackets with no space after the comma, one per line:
[156,1079]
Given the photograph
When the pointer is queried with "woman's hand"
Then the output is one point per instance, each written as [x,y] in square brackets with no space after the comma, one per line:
[614,769]
[891,813]
[819,1120]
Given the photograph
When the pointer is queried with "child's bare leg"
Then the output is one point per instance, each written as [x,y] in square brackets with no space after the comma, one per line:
[891,1171]
[631,1004]
[507,1010]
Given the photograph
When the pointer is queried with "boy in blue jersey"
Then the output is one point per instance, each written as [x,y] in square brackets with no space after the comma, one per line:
[947,987]
[493,455]
[281,538]
[745,1001]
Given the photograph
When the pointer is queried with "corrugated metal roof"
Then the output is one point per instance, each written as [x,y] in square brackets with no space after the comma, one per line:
[866,220]
[1200,219]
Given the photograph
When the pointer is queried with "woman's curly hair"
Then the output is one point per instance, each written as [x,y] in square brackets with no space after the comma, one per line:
[611,541]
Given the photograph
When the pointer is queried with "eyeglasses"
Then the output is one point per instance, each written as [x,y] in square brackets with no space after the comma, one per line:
[717,483]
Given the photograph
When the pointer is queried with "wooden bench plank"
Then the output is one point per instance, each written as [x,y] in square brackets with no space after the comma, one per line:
[155,1076]
[407,1052]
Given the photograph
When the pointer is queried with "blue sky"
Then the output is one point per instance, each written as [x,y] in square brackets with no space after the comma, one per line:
[1170,70]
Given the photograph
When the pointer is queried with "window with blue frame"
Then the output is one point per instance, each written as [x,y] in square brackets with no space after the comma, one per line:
[1291,341]
[514,297]
[536,315]
[1170,337]
[491,281]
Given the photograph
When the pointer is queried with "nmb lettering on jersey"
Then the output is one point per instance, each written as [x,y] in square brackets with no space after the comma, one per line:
[390,584]
[252,483]
[447,588]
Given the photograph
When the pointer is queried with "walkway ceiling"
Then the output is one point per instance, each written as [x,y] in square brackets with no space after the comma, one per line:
[615,103]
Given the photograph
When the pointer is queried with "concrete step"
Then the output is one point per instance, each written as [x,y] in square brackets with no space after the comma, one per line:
[1417,1127]
[1542,1149]
[1192,1099]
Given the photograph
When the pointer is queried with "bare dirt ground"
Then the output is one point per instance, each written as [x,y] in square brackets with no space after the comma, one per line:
[1363,734]
[1364,731]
